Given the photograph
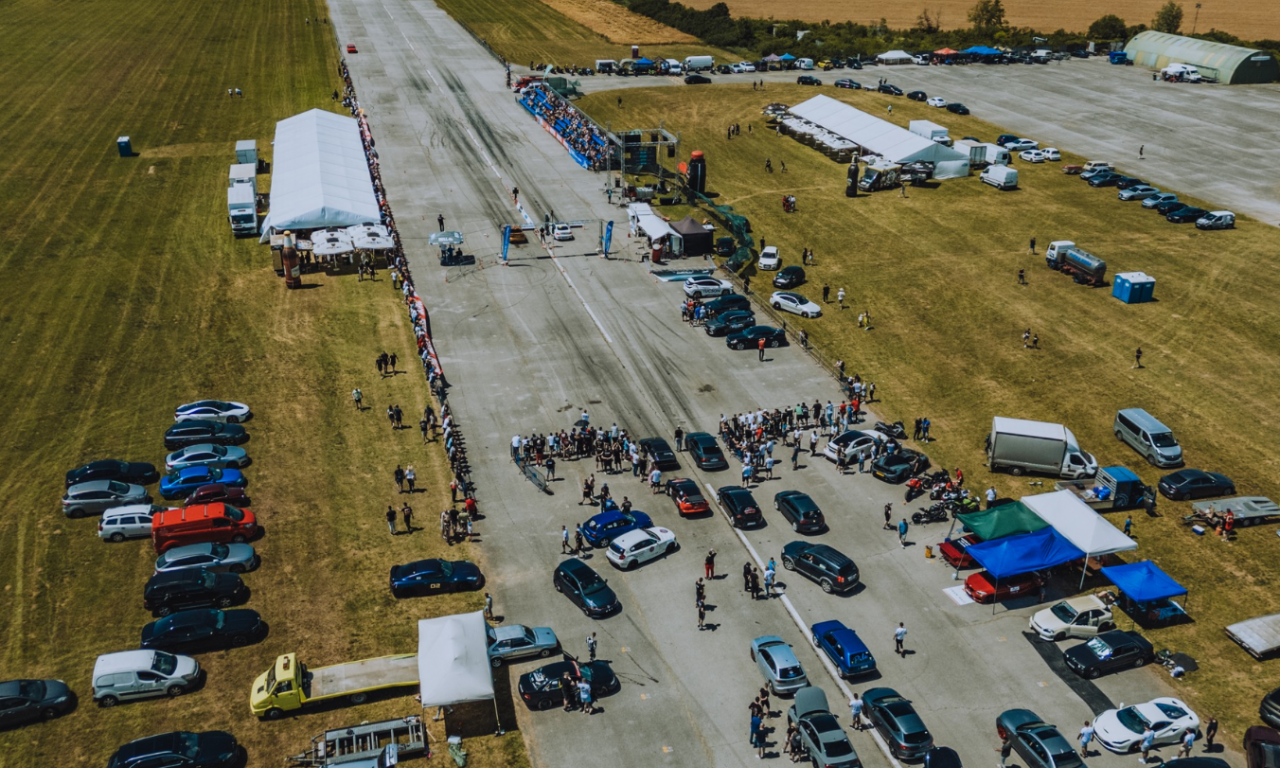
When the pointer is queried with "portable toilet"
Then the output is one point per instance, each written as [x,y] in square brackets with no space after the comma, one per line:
[247,152]
[1133,287]
[126,148]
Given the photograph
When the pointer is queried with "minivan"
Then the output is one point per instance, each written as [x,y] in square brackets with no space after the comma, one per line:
[128,675]
[1153,440]
[128,522]
[220,523]
[1216,220]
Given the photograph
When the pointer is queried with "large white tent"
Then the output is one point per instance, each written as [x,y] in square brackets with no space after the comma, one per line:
[881,137]
[1079,523]
[895,57]
[319,175]
[646,223]
[453,660]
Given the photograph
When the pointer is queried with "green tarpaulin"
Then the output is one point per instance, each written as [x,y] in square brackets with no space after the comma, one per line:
[1005,520]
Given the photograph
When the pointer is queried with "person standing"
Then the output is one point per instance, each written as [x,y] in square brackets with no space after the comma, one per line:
[1086,736]
[357,397]
[392,361]
[813,443]
[769,576]
[1188,739]
[1137,358]
[488,606]
[1128,525]
[584,694]
[1005,748]
[578,543]
[899,638]
[440,221]
[702,615]
[699,591]
[902,532]
[760,347]
[709,564]
[399,477]
[855,712]
[406,513]
[591,646]
[679,435]
[1148,741]
[1022,277]
[565,549]
[1141,151]
[888,516]
[1210,732]
[826,294]
[410,478]
[757,740]
[391,519]
[840,297]
[1033,244]
[991,496]
[570,691]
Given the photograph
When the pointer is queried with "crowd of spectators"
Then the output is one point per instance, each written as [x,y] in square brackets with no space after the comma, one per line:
[565,121]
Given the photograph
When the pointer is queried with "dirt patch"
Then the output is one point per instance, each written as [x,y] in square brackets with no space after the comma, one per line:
[617,24]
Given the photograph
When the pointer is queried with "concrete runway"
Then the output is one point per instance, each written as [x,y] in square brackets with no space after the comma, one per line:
[528,346]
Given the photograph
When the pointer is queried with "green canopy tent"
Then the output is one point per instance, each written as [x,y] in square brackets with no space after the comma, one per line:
[999,522]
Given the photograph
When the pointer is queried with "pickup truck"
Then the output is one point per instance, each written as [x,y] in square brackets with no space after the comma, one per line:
[290,685]
[1113,488]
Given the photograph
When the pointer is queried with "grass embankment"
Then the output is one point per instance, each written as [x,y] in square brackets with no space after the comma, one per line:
[937,271]
[124,294]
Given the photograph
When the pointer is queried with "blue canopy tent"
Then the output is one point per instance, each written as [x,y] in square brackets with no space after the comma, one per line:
[982,50]
[1147,592]
[786,57]
[1023,553]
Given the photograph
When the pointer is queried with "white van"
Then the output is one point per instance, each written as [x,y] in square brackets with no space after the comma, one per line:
[1184,72]
[1216,220]
[128,675]
[1000,177]
[805,64]
[132,521]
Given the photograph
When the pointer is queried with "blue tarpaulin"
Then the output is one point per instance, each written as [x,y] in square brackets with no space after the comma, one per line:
[644,62]
[982,50]
[786,57]
[1024,553]
[1143,581]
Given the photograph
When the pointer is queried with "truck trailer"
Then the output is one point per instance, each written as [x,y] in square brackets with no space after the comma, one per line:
[1084,267]
[291,685]
[1020,446]
[699,63]
[1260,636]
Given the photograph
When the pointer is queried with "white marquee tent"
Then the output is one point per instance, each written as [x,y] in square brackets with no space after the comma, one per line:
[319,175]
[895,57]
[649,224]
[880,137]
[1079,523]
[453,660]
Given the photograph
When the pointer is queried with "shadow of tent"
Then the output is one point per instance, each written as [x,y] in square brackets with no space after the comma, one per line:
[478,718]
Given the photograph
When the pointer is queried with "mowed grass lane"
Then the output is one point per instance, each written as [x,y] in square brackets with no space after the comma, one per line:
[123,294]
[938,272]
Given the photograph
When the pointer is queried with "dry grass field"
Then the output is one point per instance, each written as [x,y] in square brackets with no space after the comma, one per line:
[1248,19]
[937,271]
[617,24]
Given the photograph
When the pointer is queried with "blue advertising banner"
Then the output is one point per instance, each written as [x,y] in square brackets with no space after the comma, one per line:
[608,236]
[506,240]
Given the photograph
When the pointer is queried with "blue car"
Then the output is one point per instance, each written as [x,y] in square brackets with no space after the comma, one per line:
[180,484]
[845,649]
[603,528]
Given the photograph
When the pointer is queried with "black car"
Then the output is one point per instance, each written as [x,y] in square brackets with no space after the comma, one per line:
[854,64]
[1105,180]
[577,581]
[749,338]
[729,322]
[808,80]
[179,749]
[845,82]
[705,451]
[741,506]
[1039,744]
[540,689]
[892,90]
[186,433]
[426,577]
[696,80]
[1185,215]
[800,511]
[136,472]
[1129,181]
[192,588]
[1108,652]
[203,630]
[918,96]
[1269,709]
[1164,209]
[660,453]
[732,301]
[788,277]
[942,757]
[898,466]
[1186,484]
[830,568]
[898,723]
[24,701]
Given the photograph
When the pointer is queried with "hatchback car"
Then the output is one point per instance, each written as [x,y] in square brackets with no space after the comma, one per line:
[788,277]
[219,558]
[1052,154]
[808,80]
[583,586]
[741,506]
[957,108]
[898,723]
[25,701]
[697,287]
[769,259]
[1108,652]
[688,497]
[1159,198]
[749,338]
[431,576]
[828,567]
[1137,192]
[202,630]
[562,232]
[659,453]
[186,590]
[206,455]
[800,511]
[99,495]
[186,433]
[956,551]
[1019,145]
[1195,484]
[821,735]
[1031,155]
[794,303]
[540,689]
[183,482]
[516,641]
[128,522]
[603,528]
[898,466]
[852,444]
[1120,730]
[937,101]
[918,96]
[1039,744]
[843,647]
[212,410]
[982,587]
[135,472]
[891,90]
[1186,215]
[845,82]
[777,662]
[640,546]
[181,749]
[726,323]
[705,451]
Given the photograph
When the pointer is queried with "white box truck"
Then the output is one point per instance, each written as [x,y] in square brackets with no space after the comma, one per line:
[247,152]
[930,130]
[1020,446]
[982,154]
[242,210]
[243,173]
[699,63]
[1000,177]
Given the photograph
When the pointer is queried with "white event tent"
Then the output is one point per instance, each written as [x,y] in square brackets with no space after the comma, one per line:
[1079,523]
[453,660]
[895,57]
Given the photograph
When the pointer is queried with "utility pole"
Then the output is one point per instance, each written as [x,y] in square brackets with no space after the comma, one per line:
[1196,20]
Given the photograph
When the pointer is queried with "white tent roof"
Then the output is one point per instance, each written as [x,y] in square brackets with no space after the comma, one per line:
[1079,523]
[319,175]
[649,222]
[895,56]
[453,660]
[892,142]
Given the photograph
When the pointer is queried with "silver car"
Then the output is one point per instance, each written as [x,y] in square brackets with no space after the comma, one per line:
[99,495]
[236,558]
[131,522]
[516,641]
[778,664]
[206,455]
[1138,192]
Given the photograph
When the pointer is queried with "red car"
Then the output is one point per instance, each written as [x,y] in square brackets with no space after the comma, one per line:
[688,497]
[217,492]
[351,48]
[956,551]
[982,586]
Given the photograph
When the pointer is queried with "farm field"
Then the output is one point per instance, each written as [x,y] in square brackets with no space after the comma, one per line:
[123,295]
[937,270]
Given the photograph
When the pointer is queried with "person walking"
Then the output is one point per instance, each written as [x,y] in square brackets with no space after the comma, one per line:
[1086,736]
[1210,733]
[424,427]
[855,712]
[1188,739]
[578,544]
[760,347]
[888,516]
[1005,748]
[702,615]
[1137,358]
[391,519]
[399,477]
[440,221]
[826,293]
[1033,245]
[565,549]
[902,532]
[1128,525]
[1022,277]
[591,647]
[410,478]
[709,564]
[1141,151]
[699,591]
[357,397]
[586,492]
[813,443]
[1026,339]
[899,638]
[488,606]
[392,361]
[746,576]
[406,514]
[840,297]
[1148,741]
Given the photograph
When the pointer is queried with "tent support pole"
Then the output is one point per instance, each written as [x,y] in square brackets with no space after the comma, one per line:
[497,716]
[1084,571]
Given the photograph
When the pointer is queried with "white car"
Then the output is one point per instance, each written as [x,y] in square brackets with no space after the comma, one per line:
[795,304]
[1017,145]
[697,287]
[1051,154]
[854,443]
[769,258]
[1120,730]
[562,232]
[212,410]
[936,101]
[132,521]
[640,546]
[1032,156]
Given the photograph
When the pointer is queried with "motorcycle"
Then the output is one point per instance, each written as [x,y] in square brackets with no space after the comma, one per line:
[915,487]
[938,513]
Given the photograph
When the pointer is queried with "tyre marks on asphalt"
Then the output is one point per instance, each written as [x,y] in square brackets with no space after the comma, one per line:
[1089,693]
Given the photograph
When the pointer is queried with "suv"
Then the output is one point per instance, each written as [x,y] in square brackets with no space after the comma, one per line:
[830,568]
[808,80]
[129,522]
[726,303]
[99,495]
[179,749]
[741,506]
[800,510]
[196,588]
[219,523]
[129,675]
[769,259]
[583,586]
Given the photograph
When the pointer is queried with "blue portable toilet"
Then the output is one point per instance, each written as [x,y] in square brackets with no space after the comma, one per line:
[1133,287]
[126,149]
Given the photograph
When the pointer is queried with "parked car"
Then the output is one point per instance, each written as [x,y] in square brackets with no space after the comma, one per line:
[132,472]
[212,410]
[730,303]
[1269,709]
[540,689]
[749,338]
[843,647]
[1130,181]
[1074,617]
[687,495]
[830,568]
[782,671]
[853,444]
[956,551]
[898,466]
[204,629]
[1052,154]
[210,749]
[1137,192]
[100,495]
[918,96]
[606,526]
[1120,730]
[821,735]
[640,546]
[509,642]
[1217,220]
[220,558]
[800,511]
[129,522]
[696,80]
[741,506]
[937,101]
[25,701]
[1108,652]
[985,588]
[697,287]
[1039,744]
[1031,155]
[1186,215]
[432,576]
[1168,207]
[789,277]
[845,82]
[206,455]
[217,492]
[1195,484]
[1105,179]
[218,522]
[891,90]
[184,482]
[898,723]
[190,589]
[1159,199]
[1019,145]
[726,323]
[659,453]
[130,675]
[808,80]
[577,581]
[705,451]
[769,259]
[794,303]
[185,433]
[1261,747]
[957,108]
[562,232]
